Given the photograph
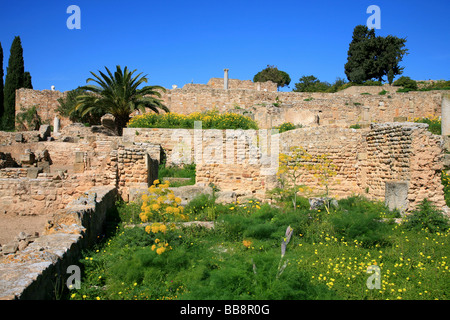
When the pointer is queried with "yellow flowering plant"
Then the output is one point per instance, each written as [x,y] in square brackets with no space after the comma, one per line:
[161,207]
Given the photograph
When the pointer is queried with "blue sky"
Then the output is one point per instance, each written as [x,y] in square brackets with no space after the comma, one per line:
[177,42]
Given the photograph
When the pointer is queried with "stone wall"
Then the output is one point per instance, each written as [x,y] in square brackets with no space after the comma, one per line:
[273,108]
[31,273]
[342,145]
[218,83]
[74,167]
[46,102]
[365,159]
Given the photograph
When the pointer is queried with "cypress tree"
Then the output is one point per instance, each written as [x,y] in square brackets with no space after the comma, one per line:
[13,80]
[1,85]
[27,81]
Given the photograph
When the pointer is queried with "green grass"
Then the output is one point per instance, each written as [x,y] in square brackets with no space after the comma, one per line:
[326,258]
[183,171]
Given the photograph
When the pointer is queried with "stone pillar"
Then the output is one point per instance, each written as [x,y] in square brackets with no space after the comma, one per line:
[56,125]
[445,117]
[225,79]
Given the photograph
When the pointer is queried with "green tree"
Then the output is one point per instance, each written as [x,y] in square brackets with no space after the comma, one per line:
[271,73]
[389,52]
[13,80]
[311,84]
[27,81]
[68,103]
[118,94]
[360,63]
[372,57]
[1,85]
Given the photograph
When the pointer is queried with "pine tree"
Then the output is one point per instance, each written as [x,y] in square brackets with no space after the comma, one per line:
[1,85]
[14,80]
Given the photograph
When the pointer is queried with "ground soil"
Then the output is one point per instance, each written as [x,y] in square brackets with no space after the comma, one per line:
[12,225]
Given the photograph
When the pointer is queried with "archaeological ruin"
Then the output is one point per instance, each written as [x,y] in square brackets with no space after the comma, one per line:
[57,183]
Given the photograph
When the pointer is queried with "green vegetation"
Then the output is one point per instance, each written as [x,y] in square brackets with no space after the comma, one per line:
[210,120]
[373,57]
[312,84]
[16,78]
[326,257]
[286,126]
[68,103]
[182,171]
[434,124]
[271,73]
[118,94]
[406,83]
[28,119]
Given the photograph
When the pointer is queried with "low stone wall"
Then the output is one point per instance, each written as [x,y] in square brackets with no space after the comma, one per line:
[33,273]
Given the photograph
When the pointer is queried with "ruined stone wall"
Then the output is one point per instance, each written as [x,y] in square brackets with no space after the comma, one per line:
[218,83]
[368,159]
[365,159]
[404,152]
[342,146]
[31,272]
[273,108]
[136,169]
[45,101]
[342,108]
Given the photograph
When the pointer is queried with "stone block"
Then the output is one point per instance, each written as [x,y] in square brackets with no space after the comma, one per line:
[445,117]
[18,137]
[44,131]
[447,160]
[28,158]
[400,119]
[78,167]
[79,157]
[109,121]
[396,195]
[10,247]
[446,145]
[32,172]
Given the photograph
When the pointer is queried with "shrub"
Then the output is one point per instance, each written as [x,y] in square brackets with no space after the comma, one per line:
[210,120]
[28,119]
[434,124]
[439,85]
[426,216]
[360,220]
[286,126]
[407,83]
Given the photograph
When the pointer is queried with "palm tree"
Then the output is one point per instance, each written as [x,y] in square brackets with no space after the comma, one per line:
[119,95]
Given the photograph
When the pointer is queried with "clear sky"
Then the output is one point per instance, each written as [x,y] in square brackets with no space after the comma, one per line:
[178,42]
